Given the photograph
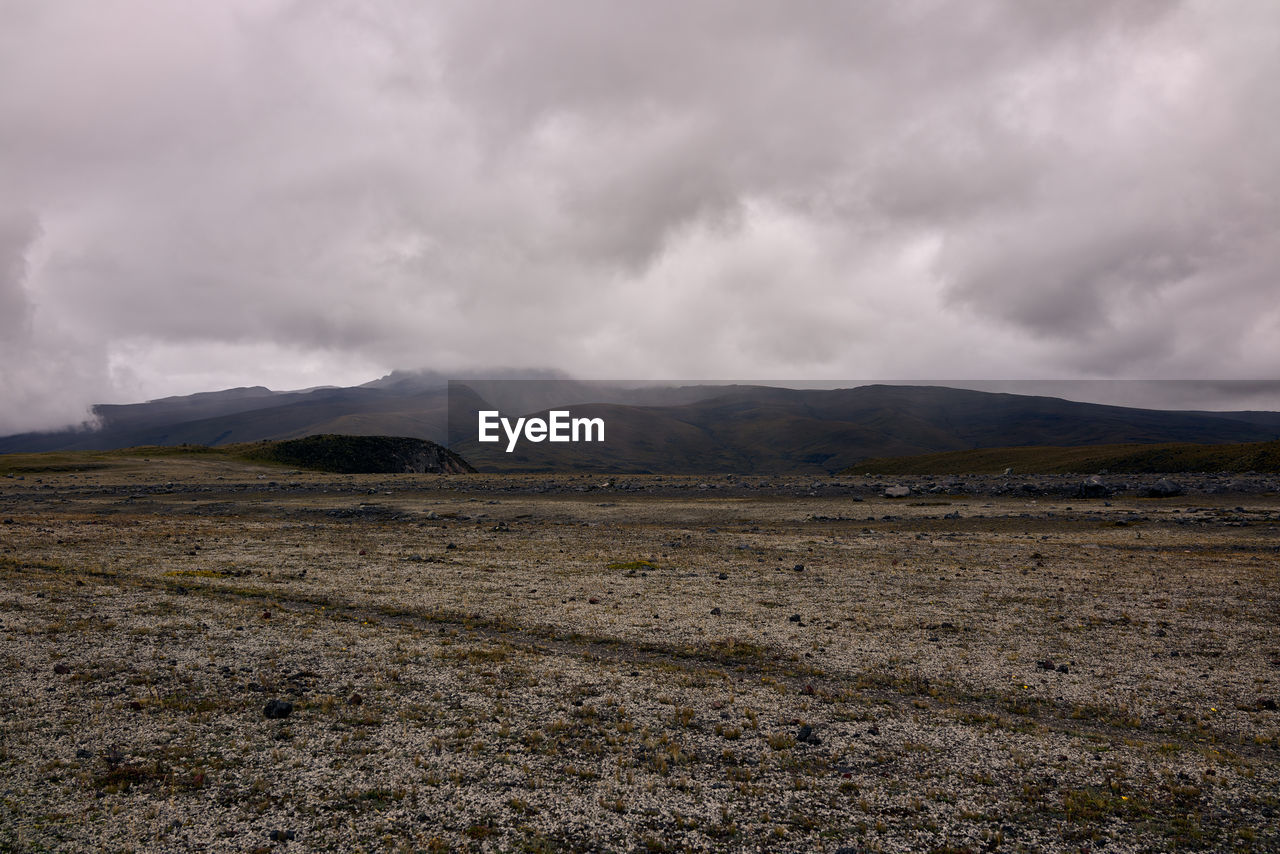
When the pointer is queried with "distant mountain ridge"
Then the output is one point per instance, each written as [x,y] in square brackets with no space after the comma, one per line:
[767,429]
[659,429]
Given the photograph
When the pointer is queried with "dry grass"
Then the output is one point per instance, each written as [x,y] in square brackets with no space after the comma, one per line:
[477,664]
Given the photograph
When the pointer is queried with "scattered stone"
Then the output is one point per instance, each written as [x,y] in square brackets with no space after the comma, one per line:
[724,576]
[715,612]
[355,700]
[1093,488]
[61,669]
[799,567]
[794,618]
[1161,489]
[806,735]
[1062,668]
[278,709]
[1266,704]
[282,835]
[897,491]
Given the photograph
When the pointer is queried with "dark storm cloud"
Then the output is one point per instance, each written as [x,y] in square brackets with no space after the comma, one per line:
[294,193]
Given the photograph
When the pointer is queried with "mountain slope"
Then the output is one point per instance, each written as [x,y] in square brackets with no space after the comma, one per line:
[658,429]
[761,429]
[1090,459]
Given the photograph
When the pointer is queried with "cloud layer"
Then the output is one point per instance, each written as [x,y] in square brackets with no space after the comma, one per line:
[288,193]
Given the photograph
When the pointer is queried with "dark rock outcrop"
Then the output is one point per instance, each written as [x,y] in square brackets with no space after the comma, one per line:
[363,455]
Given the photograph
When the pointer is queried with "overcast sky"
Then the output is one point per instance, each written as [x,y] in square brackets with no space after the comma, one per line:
[203,195]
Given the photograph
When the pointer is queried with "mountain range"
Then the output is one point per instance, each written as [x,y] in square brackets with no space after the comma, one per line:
[696,428]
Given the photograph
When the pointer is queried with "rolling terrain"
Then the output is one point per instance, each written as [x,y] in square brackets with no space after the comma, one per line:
[658,429]
[775,430]
[1092,459]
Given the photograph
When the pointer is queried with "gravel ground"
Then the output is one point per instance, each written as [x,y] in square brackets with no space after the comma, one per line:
[634,664]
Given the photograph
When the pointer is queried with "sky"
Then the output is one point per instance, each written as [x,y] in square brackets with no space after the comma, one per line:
[197,196]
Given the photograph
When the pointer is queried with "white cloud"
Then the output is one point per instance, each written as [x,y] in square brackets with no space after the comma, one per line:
[295,193]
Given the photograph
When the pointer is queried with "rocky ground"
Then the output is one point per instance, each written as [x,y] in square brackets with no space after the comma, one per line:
[199,656]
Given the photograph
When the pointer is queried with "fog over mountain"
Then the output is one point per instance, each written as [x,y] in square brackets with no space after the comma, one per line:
[268,193]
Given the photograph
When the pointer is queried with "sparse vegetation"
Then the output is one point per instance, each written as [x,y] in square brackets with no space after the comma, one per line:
[1088,459]
[576,674]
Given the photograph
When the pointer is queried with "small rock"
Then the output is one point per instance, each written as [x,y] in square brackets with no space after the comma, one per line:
[724,576]
[1062,668]
[1161,489]
[715,612]
[1267,704]
[61,669]
[799,567]
[1093,488]
[278,709]
[355,700]
[794,618]
[806,735]
[897,491]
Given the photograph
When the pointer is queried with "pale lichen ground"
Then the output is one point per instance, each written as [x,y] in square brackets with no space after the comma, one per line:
[476,665]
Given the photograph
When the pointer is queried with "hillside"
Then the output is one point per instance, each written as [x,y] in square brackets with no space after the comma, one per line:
[1126,459]
[329,453]
[756,429]
[658,429]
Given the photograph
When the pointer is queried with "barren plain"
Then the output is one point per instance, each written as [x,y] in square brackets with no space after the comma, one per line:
[528,663]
